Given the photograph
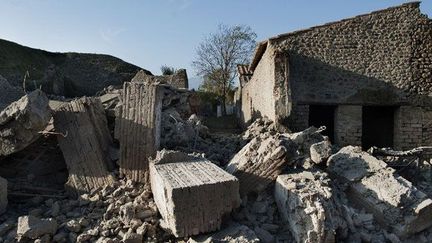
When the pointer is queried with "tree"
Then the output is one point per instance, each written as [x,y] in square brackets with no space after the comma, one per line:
[167,70]
[218,55]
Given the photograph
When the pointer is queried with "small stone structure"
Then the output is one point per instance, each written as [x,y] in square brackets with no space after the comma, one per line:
[138,127]
[178,80]
[305,201]
[191,193]
[3,195]
[85,143]
[367,78]
[393,200]
[22,120]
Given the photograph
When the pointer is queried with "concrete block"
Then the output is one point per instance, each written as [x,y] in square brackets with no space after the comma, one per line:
[138,127]
[393,200]
[3,195]
[320,152]
[305,201]
[191,193]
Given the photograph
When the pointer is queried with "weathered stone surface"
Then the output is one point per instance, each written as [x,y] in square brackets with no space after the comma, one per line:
[86,144]
[138,128]
[259,162]
[3,195]
[32,227]
[234,233]
[393,200]
[191,193]
[21,121]
[321,151]
[178,80]
[305,200]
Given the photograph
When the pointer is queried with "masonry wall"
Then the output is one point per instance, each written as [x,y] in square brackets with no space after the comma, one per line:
[408,127]
[381,58]
[257,95]
[348,125]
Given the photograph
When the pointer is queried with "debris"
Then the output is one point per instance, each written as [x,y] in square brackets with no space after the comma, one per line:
[86,148]
[261,161]
[305,201]
[232,234]
[3,195]
[31,227]
[192,194]
[21,122]
[138,128]
[393,200]
[320,152]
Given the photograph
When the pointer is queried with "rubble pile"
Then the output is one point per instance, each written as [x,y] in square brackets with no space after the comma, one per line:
[140,167]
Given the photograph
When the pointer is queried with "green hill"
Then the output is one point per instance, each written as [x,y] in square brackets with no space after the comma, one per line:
[68,74]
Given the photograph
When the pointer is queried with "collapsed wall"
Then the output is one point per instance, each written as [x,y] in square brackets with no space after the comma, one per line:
[85,142]
[178,79]
[21,122]
[138,127]
[393,200]
[305,201]
[191,193]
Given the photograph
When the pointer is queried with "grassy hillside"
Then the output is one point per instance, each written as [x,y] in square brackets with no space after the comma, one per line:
[68,74]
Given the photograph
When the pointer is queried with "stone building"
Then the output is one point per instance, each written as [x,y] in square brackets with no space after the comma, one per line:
[178,80]
[367,79]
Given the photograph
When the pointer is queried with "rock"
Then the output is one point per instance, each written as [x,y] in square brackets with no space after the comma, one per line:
[60,237]
[32,227]
[264,235]
[127,213]
[393,200]
[131,237]
[305,201]
[55,209]
[258,163]
[191,193]
[320,152]
[234,233]
[43,239]
[3,195]
[73,226]
[21,122]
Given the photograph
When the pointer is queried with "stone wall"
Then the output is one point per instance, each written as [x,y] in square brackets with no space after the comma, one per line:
[408,127]
[299,118]
[348,125]
[380,58]
[178,80]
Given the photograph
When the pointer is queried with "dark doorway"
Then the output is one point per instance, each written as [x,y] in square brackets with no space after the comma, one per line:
[378,122]
[323,115]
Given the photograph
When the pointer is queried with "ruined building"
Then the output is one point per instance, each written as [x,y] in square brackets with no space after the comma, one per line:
[367,79]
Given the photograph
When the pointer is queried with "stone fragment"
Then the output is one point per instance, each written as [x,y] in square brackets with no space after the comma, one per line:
[86,144]
[33,228]
[260,161]
[191,193]
[305,201]
[320,152]
[3,195]
[138,128]
[393,200]
[22,120]
[234,233]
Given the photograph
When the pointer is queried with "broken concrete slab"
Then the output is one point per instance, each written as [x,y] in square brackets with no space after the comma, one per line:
[260,161]
[393,200]
[22,120]
[138,127]
[233,233]
[3,195]
[31,227]
[85,143]
[191,193]
[305,201]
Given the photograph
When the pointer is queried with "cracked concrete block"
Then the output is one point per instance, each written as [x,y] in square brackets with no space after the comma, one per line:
[191,193]
[86,146]
[320,152]
[260,161]
[3,195]
[138,124]
[393,200]
[305,201]
[22,120]
[32,227]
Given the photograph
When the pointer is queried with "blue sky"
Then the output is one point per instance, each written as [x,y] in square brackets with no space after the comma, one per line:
[152,33]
